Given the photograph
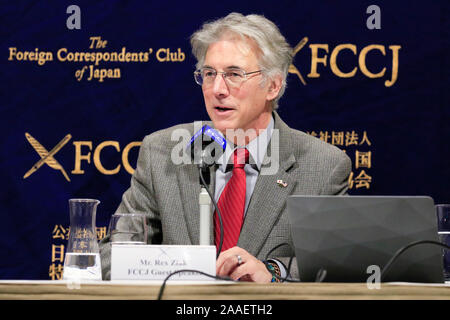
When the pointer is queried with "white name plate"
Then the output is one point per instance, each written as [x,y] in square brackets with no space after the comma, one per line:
[156,262]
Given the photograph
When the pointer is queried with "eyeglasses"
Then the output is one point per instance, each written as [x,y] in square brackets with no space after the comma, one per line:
[233,77]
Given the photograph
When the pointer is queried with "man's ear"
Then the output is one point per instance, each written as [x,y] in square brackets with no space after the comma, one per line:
[274,87]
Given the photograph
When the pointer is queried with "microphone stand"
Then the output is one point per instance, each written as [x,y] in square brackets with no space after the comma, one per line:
[204,202]
[206,154]
[205,212]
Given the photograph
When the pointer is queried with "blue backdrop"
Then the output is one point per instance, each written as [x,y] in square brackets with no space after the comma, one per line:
[397,135]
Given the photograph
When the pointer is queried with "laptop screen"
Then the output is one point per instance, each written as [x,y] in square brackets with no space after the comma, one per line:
[346,235]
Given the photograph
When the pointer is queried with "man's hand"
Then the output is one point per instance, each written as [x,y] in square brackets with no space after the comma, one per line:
[245,268]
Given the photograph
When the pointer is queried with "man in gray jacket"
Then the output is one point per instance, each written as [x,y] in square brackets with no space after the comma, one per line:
[242,66]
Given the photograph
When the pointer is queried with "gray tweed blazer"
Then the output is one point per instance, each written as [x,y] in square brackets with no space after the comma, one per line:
[168,193]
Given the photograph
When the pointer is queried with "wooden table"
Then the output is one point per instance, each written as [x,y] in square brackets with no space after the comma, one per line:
[139,290]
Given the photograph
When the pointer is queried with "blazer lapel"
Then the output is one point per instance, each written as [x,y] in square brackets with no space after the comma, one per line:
[189,189]
[269,197]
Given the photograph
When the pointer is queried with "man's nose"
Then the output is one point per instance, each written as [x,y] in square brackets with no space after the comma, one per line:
[220,87]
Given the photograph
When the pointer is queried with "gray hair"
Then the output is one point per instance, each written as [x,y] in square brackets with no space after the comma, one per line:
[276,54]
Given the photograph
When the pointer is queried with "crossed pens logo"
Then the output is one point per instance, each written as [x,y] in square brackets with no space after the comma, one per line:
[293,69]
[47,157]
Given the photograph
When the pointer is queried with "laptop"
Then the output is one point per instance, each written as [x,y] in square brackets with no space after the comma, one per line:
[345,235]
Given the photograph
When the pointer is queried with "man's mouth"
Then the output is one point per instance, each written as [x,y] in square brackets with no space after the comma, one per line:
[223,108]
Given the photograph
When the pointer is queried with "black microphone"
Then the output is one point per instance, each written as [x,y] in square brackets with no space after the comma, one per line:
[206,146]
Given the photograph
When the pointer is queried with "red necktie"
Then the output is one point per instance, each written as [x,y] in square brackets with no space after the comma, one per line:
[232,203]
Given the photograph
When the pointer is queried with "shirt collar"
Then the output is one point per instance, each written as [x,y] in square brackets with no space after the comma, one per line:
[257,149]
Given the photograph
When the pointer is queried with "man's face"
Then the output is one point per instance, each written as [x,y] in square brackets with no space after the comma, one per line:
[246,106]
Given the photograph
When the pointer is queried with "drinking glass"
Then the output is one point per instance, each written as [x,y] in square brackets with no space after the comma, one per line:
[128,228]
[443,215]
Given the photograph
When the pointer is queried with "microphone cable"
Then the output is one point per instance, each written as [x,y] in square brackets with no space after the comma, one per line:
[403,249]
[163,286]
[321,274]
[217,210]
